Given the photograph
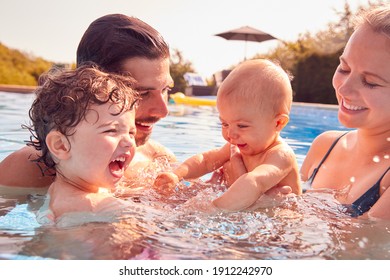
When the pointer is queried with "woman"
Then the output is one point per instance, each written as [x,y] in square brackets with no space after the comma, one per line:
[357,163]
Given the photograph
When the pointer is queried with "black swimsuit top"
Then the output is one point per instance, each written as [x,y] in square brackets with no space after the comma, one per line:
[363,203]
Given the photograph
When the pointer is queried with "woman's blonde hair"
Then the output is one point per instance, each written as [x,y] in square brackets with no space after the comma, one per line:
[378,18]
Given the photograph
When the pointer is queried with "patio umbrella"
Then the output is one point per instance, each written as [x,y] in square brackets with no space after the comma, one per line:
[246,33]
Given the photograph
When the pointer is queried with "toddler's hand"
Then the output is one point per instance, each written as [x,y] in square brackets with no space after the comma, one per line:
[165,182]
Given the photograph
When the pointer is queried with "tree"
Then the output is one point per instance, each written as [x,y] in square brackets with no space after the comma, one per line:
[179,66]
[20,68]
[312,61]
[313,58]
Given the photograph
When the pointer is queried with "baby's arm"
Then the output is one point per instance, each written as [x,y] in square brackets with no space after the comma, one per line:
[231,170]
[194,167]
[235,167]
[249,187]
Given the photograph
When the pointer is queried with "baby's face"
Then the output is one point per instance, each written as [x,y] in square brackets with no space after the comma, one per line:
[245,125]
[102,146]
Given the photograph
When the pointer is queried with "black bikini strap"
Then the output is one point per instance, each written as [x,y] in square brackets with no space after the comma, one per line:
[314,174]
[383,175]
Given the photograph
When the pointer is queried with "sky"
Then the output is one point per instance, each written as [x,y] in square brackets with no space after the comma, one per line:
[52,29]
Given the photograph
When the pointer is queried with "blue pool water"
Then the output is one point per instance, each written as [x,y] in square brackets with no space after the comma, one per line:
[308,227]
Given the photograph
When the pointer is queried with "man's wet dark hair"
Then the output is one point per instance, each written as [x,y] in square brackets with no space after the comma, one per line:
[111,39]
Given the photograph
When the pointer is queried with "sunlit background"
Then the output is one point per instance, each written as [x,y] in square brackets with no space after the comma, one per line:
[52,29]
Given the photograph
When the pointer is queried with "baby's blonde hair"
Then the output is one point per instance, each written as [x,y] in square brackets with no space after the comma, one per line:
[260,81]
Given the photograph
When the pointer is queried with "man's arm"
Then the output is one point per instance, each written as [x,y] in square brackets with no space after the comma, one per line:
[18,170]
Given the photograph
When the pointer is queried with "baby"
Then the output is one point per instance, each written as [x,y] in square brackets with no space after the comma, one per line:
[254,103]
[83,125]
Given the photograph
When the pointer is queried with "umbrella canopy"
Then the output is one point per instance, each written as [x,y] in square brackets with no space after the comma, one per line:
[246,33]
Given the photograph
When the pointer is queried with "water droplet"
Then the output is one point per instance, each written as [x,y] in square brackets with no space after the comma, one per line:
[376,159]
[363,242]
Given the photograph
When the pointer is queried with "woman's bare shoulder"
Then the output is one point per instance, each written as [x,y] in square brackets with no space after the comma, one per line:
[317,151]
[325,139]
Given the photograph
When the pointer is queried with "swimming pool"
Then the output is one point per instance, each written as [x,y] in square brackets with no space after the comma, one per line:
[309,227]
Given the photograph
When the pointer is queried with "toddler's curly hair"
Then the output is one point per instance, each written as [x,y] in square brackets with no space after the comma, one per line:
[64,98]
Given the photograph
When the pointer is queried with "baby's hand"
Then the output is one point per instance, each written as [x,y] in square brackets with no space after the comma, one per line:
[165,182]
[235,167]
